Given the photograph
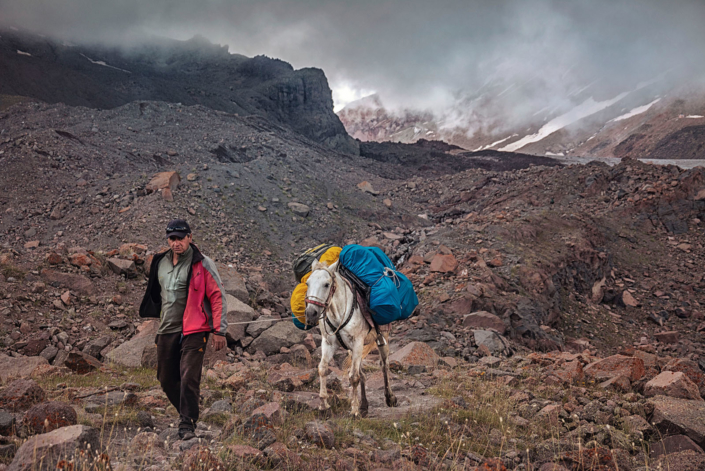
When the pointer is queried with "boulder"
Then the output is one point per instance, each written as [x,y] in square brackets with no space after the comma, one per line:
[129,354]
[233,283]
[444,263]
[149,356]
[367,188]
[302,401]
[43,452]
[81,363]
[281,334]
[686,460]
[146,446]
[299,209]
[484,320]
[245,454]
[691,369]
[263,323]
[667,337]
[123,267]
[320,434]
[416,354]
[21,394]
[201,458]
[494,342]
[238,312]
[287,378]
[631,368]
[49,416]
[673,444]
[163,180]
[282,458]
[76,283]
[673,384]
[674,416]
[273,412]
[96,346]
[7,423]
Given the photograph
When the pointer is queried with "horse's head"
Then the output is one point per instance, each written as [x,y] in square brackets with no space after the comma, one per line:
[320,290]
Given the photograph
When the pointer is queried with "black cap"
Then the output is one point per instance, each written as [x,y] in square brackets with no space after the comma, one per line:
[178,228]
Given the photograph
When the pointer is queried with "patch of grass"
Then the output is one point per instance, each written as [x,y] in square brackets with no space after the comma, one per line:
[145,377]
[9,270]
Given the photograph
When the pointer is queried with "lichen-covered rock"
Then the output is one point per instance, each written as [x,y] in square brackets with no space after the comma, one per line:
[48,416]
[21,394]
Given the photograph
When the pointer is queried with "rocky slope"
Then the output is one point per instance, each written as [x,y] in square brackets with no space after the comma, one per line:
[187,72]
[561,320]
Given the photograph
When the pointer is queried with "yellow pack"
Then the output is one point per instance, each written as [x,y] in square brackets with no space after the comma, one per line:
[298,297]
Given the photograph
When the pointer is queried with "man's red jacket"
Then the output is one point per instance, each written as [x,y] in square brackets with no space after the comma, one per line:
[206,308]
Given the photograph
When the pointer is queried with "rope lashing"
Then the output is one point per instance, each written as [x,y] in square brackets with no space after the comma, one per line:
[389,273]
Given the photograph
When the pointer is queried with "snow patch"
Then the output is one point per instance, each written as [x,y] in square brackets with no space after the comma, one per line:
[104,64]
[635,111]
[585,109]
[694,116]
[552,154]
[22,53]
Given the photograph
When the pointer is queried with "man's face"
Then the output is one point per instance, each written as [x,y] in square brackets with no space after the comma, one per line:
[179,244]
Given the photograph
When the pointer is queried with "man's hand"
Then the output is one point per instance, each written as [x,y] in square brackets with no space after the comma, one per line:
[218,342]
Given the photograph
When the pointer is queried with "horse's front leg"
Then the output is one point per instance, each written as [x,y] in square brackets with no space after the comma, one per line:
[354,376]
[327,351]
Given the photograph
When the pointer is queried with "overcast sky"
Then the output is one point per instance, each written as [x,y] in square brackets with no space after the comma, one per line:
[414,53]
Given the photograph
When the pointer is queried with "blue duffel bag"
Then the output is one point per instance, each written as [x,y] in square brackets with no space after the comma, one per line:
[392,296]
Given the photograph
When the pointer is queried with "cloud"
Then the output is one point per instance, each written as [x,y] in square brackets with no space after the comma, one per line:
[414,53]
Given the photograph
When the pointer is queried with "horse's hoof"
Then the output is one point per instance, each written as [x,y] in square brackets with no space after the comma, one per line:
[363,413]
[325,413]
[392,401]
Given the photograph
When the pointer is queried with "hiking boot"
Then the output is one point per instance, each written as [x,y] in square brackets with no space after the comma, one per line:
[186,434]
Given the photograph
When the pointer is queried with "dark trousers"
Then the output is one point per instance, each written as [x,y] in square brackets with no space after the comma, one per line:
[179,364]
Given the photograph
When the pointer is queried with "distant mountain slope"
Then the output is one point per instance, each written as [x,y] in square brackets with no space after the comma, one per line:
[189,72]
[651,120]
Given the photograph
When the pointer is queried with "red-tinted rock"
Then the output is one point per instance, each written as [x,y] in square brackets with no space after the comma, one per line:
[283,458]
[48,416]
[201,458]
[416,354]
[617,365]
[484,320]
[673,444]
[77,444]
[690,369]
[77,283]
[568,373]
[21,394]
[163,180]
[320,434]
[54,258]
[287,378]
[444,264]
[673,416]
[618,383]
[80,260]
[82,363]
[667,337]
[272,411]
[673,384]
[246,455]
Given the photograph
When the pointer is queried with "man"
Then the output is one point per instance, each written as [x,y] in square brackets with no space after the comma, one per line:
[184,290]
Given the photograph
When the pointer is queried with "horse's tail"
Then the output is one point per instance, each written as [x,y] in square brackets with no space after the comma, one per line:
[370,344]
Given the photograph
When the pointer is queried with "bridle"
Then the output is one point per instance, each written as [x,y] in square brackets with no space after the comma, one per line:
[317,302]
